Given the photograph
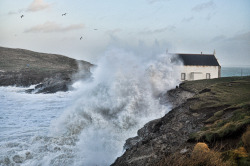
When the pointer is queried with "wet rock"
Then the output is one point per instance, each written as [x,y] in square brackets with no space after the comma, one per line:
[18,159]
[28,155]
[162,136]
[5,161]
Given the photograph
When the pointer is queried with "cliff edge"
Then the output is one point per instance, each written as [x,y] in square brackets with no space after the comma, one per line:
[215,112]
[52,72]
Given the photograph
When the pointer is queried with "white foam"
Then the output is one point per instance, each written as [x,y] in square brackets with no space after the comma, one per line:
[121,97]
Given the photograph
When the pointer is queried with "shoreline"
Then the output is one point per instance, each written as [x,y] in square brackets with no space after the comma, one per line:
[188,122]
[52,72]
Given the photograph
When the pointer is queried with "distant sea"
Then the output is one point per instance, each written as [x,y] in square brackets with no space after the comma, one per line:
[235,71]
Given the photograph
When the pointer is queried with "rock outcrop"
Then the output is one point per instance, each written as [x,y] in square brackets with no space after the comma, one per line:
[51,72]
[195,116]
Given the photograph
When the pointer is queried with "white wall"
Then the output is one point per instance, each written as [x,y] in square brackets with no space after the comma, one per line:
[199,72]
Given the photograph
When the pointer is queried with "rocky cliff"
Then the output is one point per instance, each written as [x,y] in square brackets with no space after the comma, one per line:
[216,112]
[52,72]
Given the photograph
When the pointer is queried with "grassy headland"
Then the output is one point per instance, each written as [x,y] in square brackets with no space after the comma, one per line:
[217,114]
[23,68]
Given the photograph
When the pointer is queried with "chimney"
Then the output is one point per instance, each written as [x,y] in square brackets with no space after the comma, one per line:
[214,52]
[201,53]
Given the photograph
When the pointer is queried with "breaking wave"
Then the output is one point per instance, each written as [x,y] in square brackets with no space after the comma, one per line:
[121,96]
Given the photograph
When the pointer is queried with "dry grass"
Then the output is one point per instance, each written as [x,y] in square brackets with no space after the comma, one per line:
[203,156]
[246,139]
[200,156]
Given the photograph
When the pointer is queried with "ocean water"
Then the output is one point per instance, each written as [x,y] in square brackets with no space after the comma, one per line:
[235,71]
[87,126]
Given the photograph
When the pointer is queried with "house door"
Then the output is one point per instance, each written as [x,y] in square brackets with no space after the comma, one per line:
[208,76]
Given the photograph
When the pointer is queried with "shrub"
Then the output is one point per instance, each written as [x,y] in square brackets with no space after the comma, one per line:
[246,139]
[200,156]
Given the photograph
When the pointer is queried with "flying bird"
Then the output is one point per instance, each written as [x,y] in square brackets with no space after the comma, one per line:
[95,29]
[81,38]
[64,14]
[22,16]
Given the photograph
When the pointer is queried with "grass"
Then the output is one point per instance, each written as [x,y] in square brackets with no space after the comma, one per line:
[224,94]
[228,102]
[18,60]
[221,128]
[202,155]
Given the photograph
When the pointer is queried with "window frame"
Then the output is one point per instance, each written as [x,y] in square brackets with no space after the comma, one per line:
[183,76]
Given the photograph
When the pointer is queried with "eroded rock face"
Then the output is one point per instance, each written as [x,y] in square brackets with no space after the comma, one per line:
[194,118]
[19,67]
[59,82]
[163,136]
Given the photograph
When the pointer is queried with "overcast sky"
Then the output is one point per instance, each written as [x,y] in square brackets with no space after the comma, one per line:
[181,26]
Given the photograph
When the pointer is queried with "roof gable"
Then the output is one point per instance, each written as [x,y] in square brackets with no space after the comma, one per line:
[199,59]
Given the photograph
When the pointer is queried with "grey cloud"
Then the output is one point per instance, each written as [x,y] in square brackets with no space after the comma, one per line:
[154,1]
[16,12]
[12,13]
[37,5]
[187,19]
[218,38]
[113,31]
[168,28]
[203,6]
[242,37]
[210,15]
[48,27]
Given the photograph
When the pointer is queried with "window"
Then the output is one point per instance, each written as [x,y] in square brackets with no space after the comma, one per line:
[208,76]
[183,76]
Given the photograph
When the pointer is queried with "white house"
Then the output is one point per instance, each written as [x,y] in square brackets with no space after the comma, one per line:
[199,66]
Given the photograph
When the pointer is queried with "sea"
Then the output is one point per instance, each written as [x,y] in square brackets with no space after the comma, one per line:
[88,125]
[235,71]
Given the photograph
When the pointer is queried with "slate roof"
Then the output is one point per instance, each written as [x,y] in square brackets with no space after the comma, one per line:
[198,59]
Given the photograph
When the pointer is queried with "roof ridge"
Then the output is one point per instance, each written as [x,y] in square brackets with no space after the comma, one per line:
[192,54]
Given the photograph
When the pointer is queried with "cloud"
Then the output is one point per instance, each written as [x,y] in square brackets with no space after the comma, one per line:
[114,31]
[48,27]
[203,6]
[160,30]
[38,5]
[16,12]
[35,6]
[242,37]
[154,1]
[218,38]
[12,13]
[187,19]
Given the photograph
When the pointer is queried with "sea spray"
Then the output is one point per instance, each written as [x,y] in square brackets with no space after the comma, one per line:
[122,96]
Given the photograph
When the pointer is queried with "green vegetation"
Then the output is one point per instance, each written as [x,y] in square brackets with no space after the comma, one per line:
[19,60]
[229,100]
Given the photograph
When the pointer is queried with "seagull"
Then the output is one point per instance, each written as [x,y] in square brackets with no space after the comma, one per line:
[81,38]
[22,16]
[64,14]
